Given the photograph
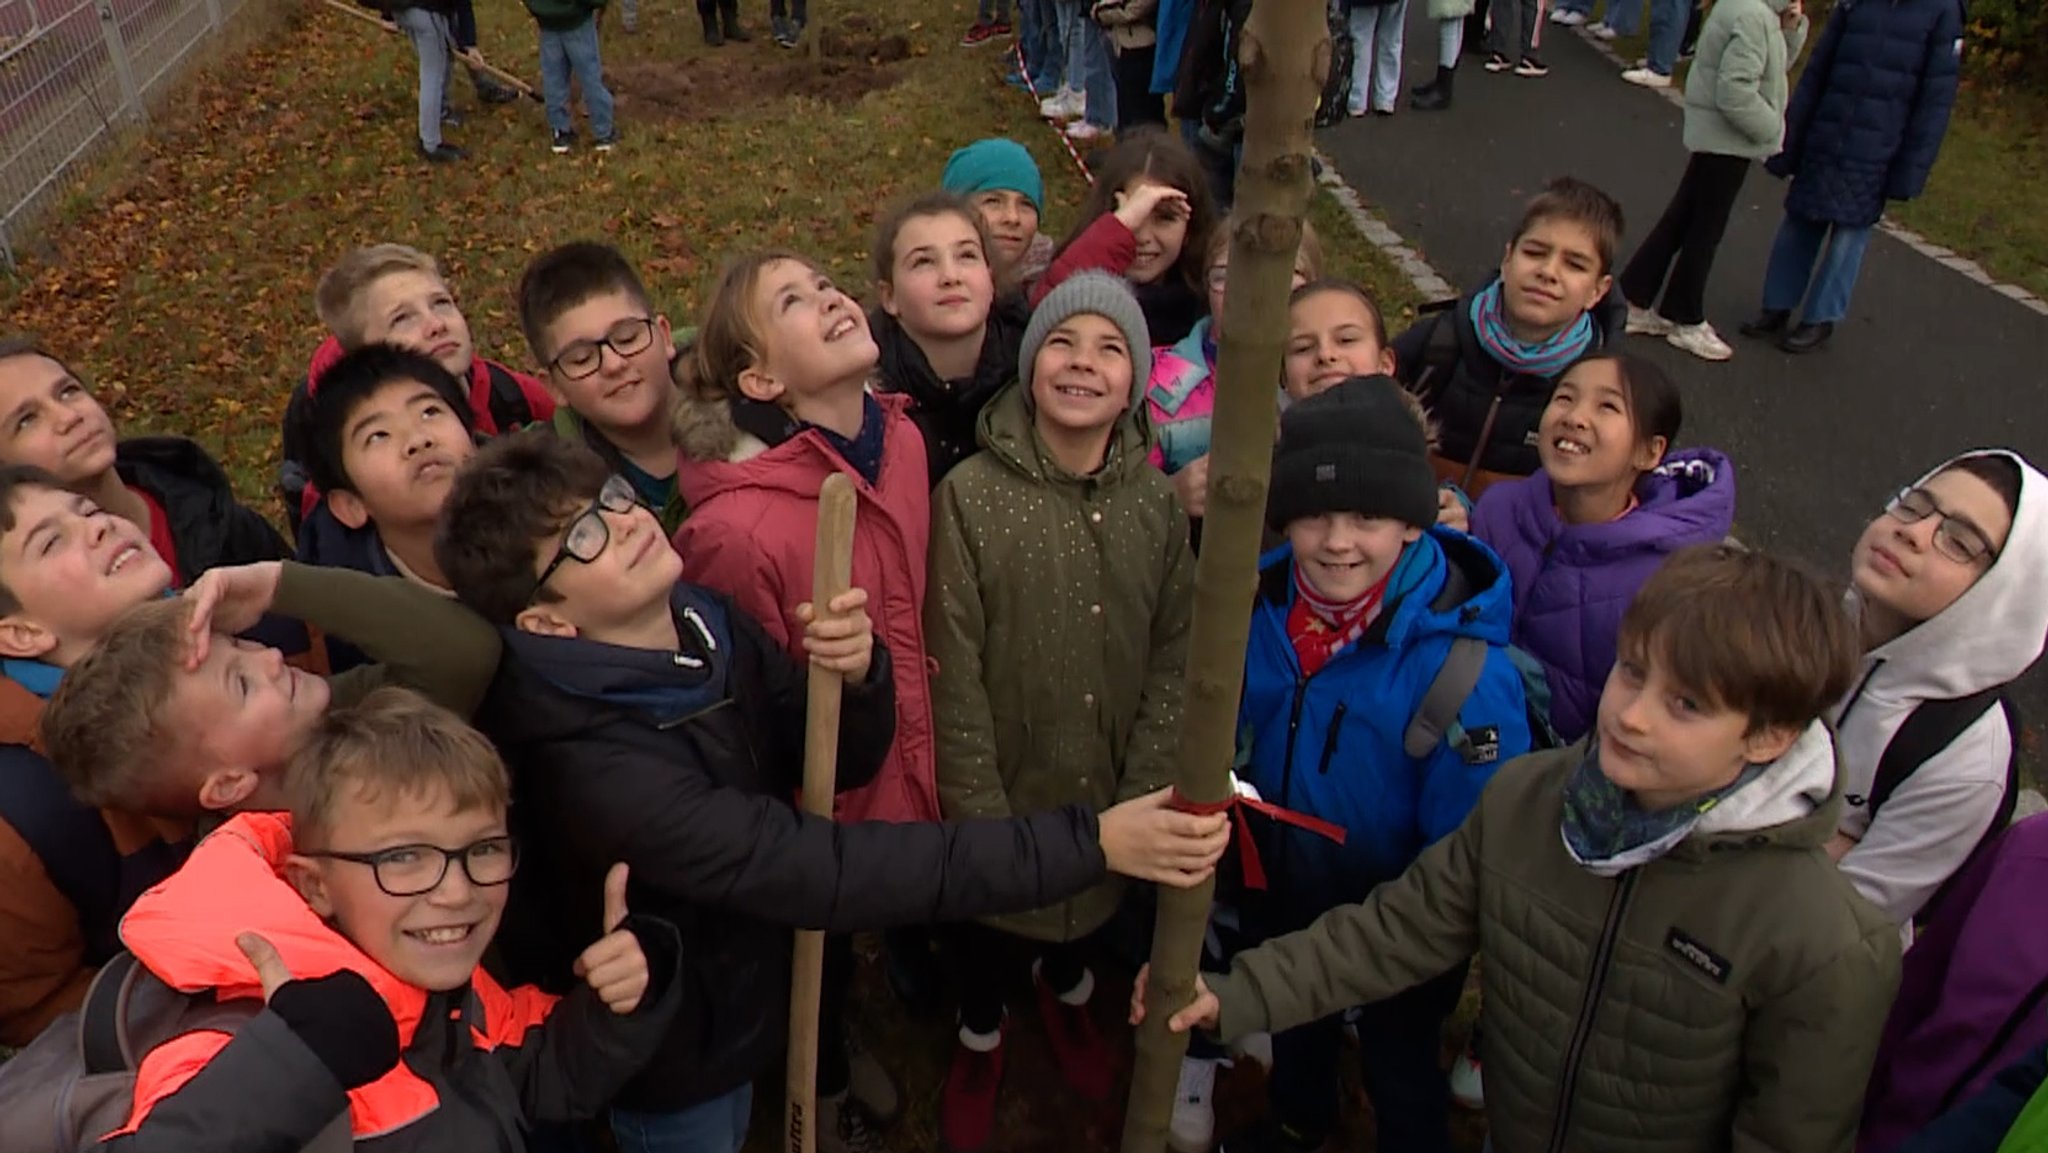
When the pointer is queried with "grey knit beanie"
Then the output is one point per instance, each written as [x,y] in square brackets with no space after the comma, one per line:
[1085,292]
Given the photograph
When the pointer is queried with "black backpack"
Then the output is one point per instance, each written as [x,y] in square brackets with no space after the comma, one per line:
[508,406]
[1330,107]
[1931,727]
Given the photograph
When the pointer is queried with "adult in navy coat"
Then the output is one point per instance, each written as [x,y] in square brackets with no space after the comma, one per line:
[1864,127]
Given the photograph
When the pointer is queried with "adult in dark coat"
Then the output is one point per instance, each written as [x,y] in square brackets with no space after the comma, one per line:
[1864,127]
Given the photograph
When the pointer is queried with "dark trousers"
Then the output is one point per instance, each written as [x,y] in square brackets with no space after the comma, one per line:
[1136,103]
[988,961]
[1400,1042]
[1685,239]
[835,981]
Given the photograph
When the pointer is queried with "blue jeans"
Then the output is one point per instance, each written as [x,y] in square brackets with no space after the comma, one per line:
[996,10]
[1088,66]
[1376,36]
[1038,38]
[574,54]
[715,1126]
[1667,32]
[1624,16]
[1817,263]
[431,37]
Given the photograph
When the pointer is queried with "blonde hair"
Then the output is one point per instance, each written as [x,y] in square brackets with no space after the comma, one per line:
[394,743]
[729,337]
[103,728]
[338,298]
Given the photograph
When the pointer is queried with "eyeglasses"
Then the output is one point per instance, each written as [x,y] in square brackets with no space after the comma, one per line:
[415,870]
[588,534]
[584,357]
[1955,538]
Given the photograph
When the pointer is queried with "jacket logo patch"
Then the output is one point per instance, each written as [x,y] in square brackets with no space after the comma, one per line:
[1481,745]
[1326,473]
[1697,955]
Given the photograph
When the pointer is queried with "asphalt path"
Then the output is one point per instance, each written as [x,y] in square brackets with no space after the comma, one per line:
[1927,364]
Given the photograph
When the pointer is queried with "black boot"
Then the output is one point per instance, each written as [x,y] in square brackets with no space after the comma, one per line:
[1766,324]
[729,13]
[1807,338]
[1435,96]
[707,11]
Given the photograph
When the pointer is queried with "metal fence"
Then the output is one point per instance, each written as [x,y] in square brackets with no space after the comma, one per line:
[73,74]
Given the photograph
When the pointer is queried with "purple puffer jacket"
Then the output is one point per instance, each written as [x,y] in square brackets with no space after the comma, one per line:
[1971,996]
[1572,582]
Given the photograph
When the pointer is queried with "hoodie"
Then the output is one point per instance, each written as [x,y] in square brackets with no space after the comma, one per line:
[752,534]
[1991,634]
[1573,582]
[947,412]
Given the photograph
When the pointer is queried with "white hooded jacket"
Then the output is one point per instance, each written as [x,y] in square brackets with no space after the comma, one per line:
[1988,637]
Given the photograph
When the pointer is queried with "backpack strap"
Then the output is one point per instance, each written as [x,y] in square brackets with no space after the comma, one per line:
[509,407]
[1931,727]
[101,1033]
[1455,680]
[68,836]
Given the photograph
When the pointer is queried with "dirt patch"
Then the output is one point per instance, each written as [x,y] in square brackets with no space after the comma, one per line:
[858,59]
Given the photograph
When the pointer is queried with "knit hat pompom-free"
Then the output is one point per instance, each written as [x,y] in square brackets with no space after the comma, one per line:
[1356,448]
[997,164]
[1098,293]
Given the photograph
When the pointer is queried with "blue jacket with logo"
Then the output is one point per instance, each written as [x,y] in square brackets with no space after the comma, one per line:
[1331,745]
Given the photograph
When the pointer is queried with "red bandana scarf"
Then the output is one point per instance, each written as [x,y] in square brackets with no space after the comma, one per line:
[1319,627]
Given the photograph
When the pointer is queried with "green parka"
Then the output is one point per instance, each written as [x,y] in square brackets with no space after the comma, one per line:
[1724,998]
[1057,621]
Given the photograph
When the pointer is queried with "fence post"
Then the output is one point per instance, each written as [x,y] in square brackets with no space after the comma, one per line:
[117,51]
[213,14]
[6,247]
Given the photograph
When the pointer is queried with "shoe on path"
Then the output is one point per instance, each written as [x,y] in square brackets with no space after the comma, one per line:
[844,1126]
[967,1105]
[1532,68]
[1468,1088]
[1766,324]
[1435,96]
[1066,104]
[1646,78]
[442,153]
[1701,340]
[1807,338]
[562,142]
[1601,31]
[1083,132]
[1495,62]
[1077,1045]
[980,32]
[1647,322]
[605,143]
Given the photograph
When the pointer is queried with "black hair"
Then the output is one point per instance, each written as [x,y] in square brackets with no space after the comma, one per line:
[351,381]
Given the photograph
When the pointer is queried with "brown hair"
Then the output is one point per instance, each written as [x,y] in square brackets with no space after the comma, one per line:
[1150,153]
[14,478]
[1745,631]
[1577,202]
[1308,260]
[566,276]
[393,743]
[1995,469]
[729,339]
[103,727]
[1349,288]
[883,251]
[508,504]
[338,297]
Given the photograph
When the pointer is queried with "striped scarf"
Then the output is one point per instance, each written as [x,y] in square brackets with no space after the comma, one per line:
[1321,627]
[1545,358]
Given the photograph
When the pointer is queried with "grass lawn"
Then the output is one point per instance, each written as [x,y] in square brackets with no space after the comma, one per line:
[180,279]
[1987,197]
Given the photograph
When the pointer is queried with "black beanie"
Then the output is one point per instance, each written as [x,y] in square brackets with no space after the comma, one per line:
[1355,448]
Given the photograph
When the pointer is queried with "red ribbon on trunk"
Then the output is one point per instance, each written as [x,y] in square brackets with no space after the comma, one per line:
[1248,849]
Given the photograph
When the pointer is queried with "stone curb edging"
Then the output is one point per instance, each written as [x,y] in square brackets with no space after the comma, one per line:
[1945,257]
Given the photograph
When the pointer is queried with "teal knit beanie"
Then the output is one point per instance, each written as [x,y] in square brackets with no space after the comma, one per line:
[994,165]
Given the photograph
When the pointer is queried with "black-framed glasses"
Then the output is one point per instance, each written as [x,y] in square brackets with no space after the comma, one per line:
[414,870]
[1955,538]
[583,357]
[588,534]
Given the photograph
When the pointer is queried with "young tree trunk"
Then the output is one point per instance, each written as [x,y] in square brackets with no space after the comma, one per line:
[1284,57]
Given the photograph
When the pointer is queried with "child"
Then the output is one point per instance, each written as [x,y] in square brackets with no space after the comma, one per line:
[1950,612]
[1970,997]
[1377,29]
[653,722]
[392,294]
[1133,32]
[715,13]
[1486,366]
[389,430]
[1513,35]
[1658,916]
[165,485]
[948,340]
[361,923]
[569,51]
[426,23]
[1086,101]
[1734,113]
[1062,592]
[1147,219]
[1355,617]
[1610,504]
[1001,180]
[1181,394]
[576,302]
[1449,17]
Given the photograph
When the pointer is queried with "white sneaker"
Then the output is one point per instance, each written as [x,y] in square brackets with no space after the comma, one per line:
[1699,339]
[1193,1128]
[1080,131]
[1467,1088]
[1600,31]
[1644,322]
[1568,18]
[1646,78]
[1066,104]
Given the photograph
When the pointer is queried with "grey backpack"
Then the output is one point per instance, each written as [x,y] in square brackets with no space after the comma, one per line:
[75,1083]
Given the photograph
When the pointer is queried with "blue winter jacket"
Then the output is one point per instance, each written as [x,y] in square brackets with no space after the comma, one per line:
[1867,120]
[1331,745]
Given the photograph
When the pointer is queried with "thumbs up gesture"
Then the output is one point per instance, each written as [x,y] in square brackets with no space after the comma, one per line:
[615,967]
[270,968]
